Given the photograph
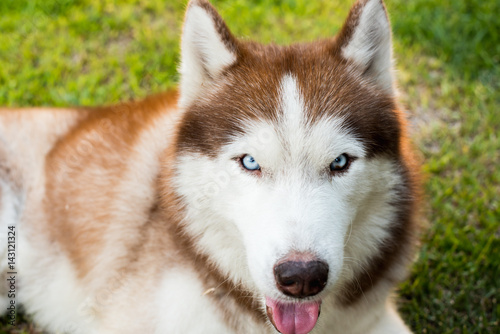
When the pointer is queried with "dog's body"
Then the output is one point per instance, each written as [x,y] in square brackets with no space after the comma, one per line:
[154,216]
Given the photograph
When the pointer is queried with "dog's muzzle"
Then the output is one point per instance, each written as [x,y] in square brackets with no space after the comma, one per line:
[298,276]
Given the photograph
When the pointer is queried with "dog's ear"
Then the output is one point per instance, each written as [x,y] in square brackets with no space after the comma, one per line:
[207,48]
[365,40]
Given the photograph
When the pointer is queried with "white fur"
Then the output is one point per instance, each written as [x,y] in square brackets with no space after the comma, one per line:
[196,315]
[9,207]
[204,54]
[58,299]
[59,291]
[370,45]
[9,213]
[246,224]
[11,201]
[390,323]
[375,315]
[295,204]
[243,222]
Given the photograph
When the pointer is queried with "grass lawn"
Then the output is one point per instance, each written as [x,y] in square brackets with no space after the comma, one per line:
[88,52]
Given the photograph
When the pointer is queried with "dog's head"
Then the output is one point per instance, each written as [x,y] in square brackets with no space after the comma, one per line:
[289,159]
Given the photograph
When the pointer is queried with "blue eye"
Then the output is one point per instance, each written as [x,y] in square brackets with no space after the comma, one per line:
[340,163]
[248,162]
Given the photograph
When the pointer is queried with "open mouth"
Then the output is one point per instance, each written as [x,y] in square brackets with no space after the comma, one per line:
[293,318]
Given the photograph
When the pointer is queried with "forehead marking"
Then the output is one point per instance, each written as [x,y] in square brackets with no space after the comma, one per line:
[292,115]
[292,102]
[303,140]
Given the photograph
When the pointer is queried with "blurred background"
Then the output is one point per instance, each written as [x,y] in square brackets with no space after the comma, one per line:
[89,52]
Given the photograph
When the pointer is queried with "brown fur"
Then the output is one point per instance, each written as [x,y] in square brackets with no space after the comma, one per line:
[87,158]
[331,87]
[100,143]
[226,294]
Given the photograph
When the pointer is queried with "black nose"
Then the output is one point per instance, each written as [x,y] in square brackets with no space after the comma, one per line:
[301,279]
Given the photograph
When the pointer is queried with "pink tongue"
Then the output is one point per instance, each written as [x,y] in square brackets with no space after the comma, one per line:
[293,318]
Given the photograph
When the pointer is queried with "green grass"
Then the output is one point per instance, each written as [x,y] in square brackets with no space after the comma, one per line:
[88,52]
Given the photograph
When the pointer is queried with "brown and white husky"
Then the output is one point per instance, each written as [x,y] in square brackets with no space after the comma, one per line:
[278,182]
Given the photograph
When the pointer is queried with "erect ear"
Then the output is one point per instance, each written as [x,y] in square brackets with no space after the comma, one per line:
[365,39]
[207,48]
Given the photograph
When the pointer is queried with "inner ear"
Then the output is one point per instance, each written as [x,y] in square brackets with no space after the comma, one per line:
[365,41]
[207,48]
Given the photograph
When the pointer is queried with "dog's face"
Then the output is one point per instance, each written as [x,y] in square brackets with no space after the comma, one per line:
[288,157]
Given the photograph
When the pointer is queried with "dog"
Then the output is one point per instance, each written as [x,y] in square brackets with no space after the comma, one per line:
[277,182]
